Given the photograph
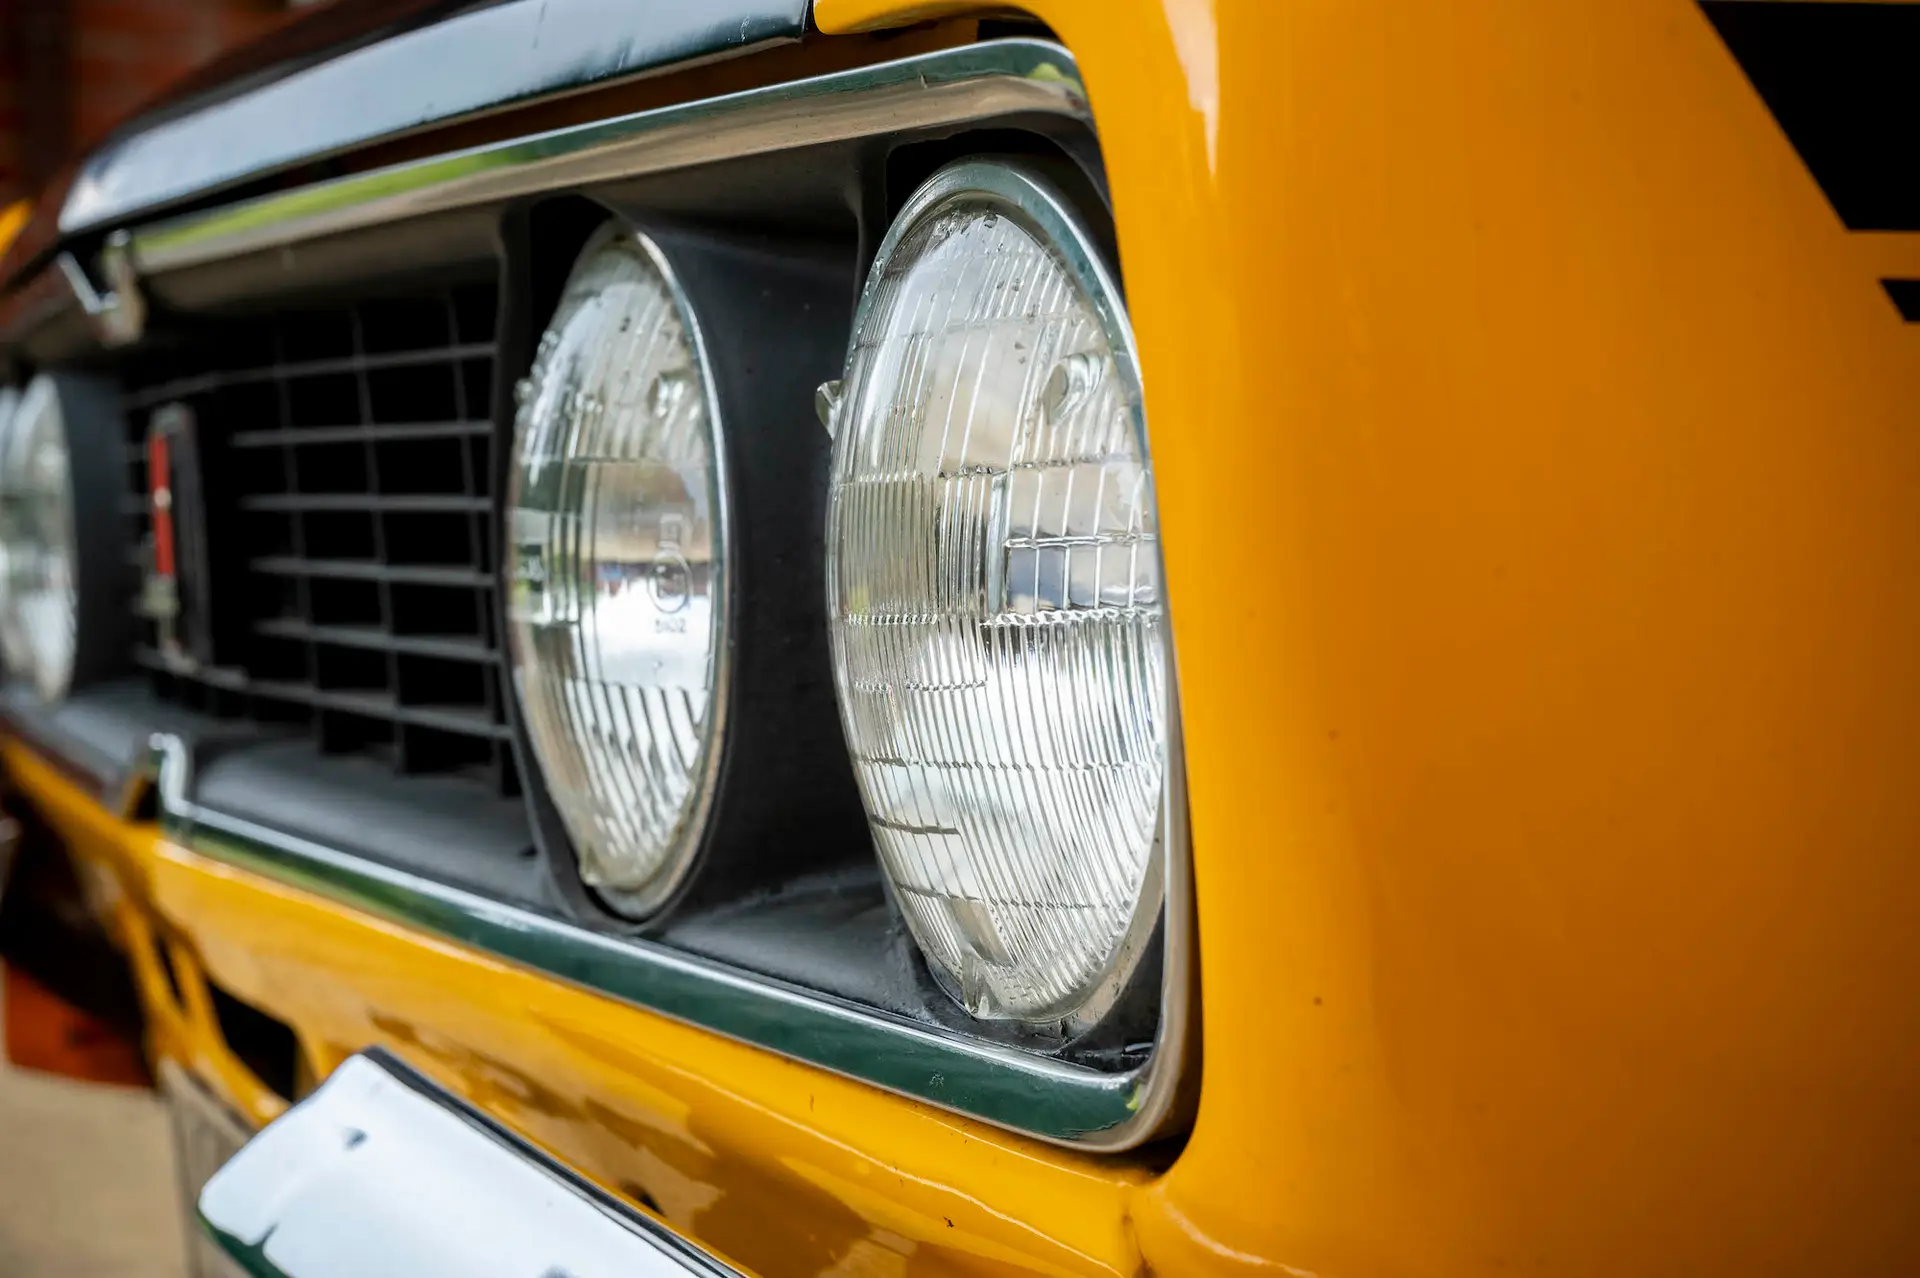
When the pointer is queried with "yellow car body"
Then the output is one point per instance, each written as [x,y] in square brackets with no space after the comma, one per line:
[1538,462]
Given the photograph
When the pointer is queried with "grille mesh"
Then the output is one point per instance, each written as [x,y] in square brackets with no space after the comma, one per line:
[346,465]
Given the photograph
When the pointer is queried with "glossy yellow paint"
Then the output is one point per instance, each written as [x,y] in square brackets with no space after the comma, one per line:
[782,1167]
[119,856]
[13,220]
[1539,474]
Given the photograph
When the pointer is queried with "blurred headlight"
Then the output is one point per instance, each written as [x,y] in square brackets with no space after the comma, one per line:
[9,410]
[1000,639]
[616,528]
[39,629]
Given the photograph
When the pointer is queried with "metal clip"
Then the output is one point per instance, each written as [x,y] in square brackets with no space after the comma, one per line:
[826,403]
[118,315]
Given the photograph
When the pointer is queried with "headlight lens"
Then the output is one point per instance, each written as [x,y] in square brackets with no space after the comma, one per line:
[9,410]
[39,630]
[617,603]
[994,578]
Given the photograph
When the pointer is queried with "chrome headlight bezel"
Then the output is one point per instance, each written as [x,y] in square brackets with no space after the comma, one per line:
[1019,190]
[9,409]
[675,861]
[907,1038]
[779,801]
[87,533]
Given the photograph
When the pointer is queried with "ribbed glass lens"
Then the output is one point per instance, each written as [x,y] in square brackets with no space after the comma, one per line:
[616,603]
[9,645]
[38,627]
[994,577]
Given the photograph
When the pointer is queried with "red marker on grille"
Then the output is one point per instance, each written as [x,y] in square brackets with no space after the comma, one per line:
[160,501]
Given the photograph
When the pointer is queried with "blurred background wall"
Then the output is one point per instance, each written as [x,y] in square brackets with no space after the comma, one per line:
[70,70]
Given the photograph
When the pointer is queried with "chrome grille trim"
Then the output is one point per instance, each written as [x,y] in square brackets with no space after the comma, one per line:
[1022,1091]
[359,609]
[481,58]
[950,86]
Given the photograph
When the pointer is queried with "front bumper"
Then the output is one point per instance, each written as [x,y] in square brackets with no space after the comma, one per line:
[782,1167]
[380,1171]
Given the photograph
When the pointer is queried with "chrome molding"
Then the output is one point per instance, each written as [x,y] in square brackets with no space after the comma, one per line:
[118,315]
[1022,1091]
[1163,900]
[1026,1093]
[950,86]
[485,58]
[381,1171]
[640,903]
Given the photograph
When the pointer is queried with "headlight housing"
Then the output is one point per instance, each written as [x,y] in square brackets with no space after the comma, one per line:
[9,410]
[617,604]
[1000,636]
[58,465]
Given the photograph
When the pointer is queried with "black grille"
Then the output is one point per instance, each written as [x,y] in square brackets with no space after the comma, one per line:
[346,459]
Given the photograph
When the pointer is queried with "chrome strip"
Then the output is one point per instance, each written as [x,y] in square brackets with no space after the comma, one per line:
[381,1171]
[1163,900]
[1024,1092]
[949,86]
[683,853]
[486,58]
[1003,1085]
[118,315]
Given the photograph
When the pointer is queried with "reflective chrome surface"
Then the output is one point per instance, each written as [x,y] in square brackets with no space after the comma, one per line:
[379,1172]
[1034,1094]
[616,556]
[488,57]
[946,87]
[1000,639]
[119,313]
[39,624]
[1019,1090]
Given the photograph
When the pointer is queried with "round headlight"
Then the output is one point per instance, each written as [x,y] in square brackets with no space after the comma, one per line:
[616,531]
[62,468]
[1000,638]
[9,409]
[40,629]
